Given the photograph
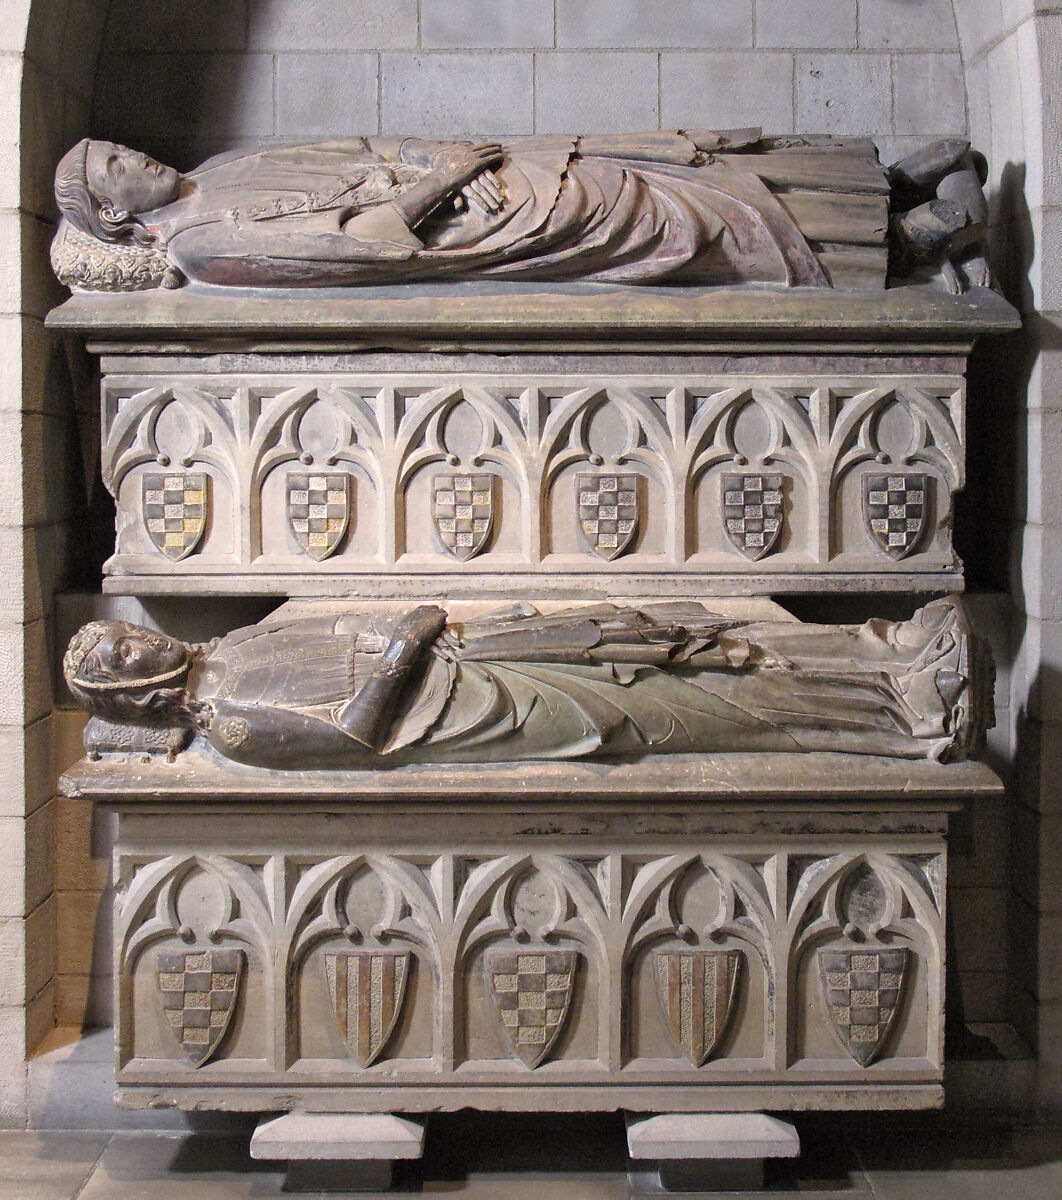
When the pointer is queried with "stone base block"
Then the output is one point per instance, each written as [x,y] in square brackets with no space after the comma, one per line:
[338,1136]
[705,1152]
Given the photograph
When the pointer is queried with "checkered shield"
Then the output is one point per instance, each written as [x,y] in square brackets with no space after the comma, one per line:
[894,511]
[696,991]
[608,512]
[532,992]
[862,990]
[367,988]
[752,512]
[175,511]
[319,511]
[199,989]
[462,508]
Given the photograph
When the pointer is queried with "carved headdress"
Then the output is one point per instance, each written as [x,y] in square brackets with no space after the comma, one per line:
[116,698]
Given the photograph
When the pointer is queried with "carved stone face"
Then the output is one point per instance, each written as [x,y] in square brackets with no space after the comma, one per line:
[131,181]
[134,655]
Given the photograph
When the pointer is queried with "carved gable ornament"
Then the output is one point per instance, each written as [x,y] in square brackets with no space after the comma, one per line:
[199,990]
[531,991]
[367,989]
[894,510]
[863,990]
[175,511]
[696,991]
[462,510]
[752,512]
[608,511]
[319,511]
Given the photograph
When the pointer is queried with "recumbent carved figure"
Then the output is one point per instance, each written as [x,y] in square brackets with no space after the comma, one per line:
[359,690]
[686,207]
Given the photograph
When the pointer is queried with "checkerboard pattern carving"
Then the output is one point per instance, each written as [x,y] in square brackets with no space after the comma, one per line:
[319,511]
[752,512]
[532,992]
[894,510]
[199,990]
[175,511]
[462,508]
[608,511]
[862,989]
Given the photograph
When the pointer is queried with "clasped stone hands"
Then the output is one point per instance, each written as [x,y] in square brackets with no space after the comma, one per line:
[470,166]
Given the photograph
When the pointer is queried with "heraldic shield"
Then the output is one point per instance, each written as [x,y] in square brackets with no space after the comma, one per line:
[608,512]
[696,991]
[752,512]
[367,989]
[199,990]
[863,990]
[175,511]
[894,511]
[532,992]
[462,508]
[319,511]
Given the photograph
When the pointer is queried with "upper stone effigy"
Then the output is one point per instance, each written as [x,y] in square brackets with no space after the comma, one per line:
[682,208]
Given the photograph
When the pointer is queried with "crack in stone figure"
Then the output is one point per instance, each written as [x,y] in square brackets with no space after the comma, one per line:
[363,690]
[681,207]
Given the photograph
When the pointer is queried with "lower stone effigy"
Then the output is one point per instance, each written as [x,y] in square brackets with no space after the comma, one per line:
[376,688]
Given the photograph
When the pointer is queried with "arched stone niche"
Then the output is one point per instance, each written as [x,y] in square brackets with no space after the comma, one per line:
[184,80]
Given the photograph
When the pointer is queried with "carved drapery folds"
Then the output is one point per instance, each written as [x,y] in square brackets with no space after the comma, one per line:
[435,963]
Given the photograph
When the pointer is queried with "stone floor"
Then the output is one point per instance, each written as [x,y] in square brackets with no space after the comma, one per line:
[481,1156]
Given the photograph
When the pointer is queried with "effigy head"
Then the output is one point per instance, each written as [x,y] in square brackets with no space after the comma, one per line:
[101,245]
[124,672]
[101,186]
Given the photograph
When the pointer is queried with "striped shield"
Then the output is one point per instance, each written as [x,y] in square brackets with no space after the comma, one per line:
[367,988]
[696,991]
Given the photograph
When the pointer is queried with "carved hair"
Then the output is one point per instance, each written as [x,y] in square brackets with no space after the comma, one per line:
[85,264]
[115,700]
[87,210]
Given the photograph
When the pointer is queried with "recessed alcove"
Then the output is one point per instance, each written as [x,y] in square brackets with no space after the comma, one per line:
[189,80]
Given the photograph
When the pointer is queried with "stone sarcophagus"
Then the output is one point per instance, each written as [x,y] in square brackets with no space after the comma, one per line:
[529,797]
[681,936]
[746,464]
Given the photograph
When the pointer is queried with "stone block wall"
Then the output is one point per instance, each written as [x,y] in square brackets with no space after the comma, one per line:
[1013,55]
[185,79]
[48,54]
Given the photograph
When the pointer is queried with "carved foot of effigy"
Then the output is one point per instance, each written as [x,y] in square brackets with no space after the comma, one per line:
[954,674]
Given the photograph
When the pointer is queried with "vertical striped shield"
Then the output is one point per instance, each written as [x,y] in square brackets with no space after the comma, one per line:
[696,991]
[367,988]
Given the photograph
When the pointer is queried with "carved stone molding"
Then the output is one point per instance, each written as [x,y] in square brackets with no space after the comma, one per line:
[713,959]
[541,449]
